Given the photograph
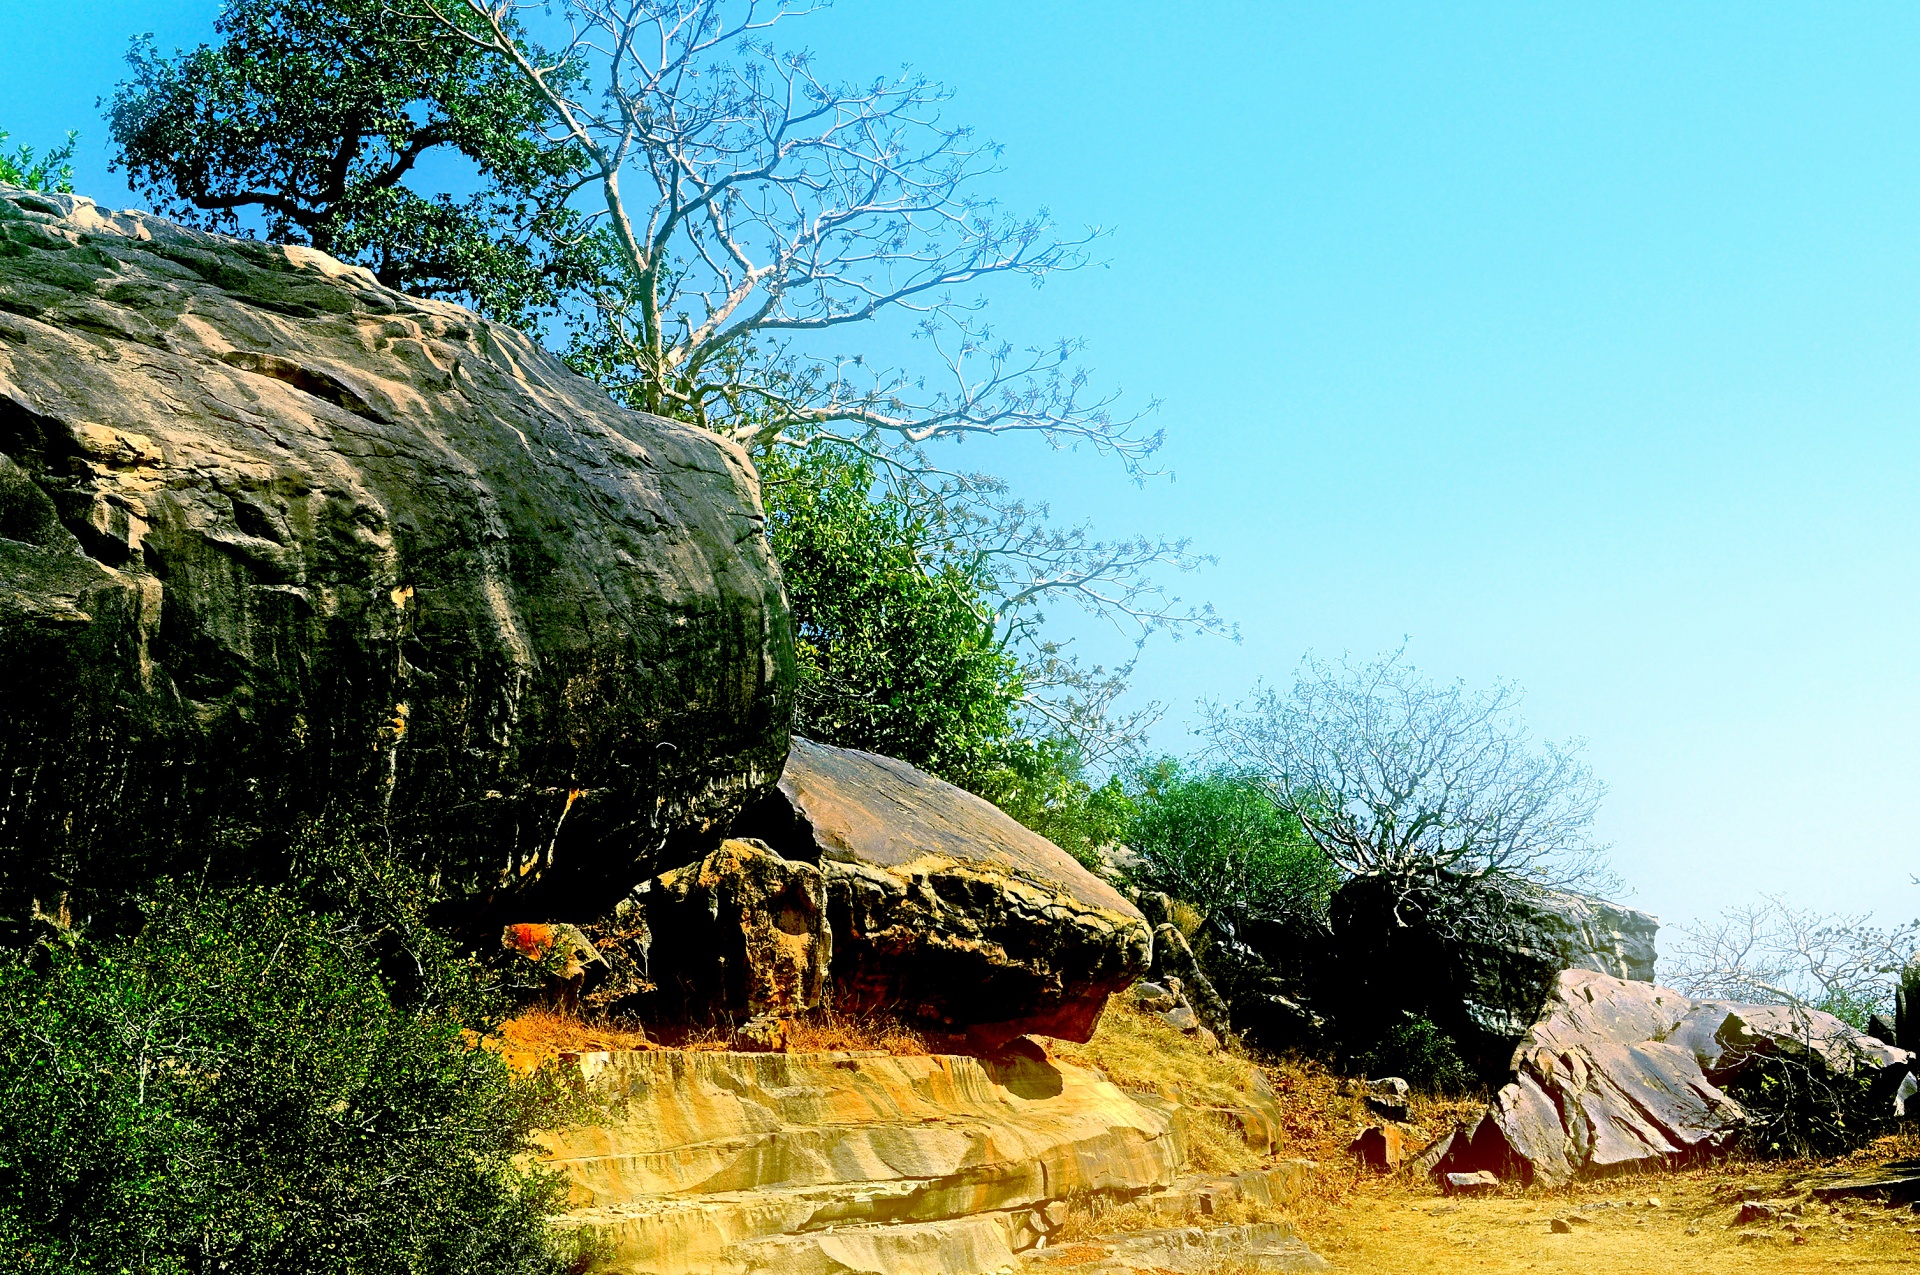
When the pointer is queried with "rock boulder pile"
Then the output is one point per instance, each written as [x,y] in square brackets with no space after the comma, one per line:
[1618,1074]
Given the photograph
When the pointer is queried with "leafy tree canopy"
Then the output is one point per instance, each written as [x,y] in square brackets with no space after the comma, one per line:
[314,116]
[897,654]
[51,172]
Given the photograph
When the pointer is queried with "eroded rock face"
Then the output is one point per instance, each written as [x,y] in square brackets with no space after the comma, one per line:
[730,1162]
[743,933]
[1620,1074]
[272,535]
[943,907]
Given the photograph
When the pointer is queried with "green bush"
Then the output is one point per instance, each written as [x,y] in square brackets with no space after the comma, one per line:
[1420,1054]
[51,172]
[1215,839]
[897,651]
[1044,785]
[241,1088]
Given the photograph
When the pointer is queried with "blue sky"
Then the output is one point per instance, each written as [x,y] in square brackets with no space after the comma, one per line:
[1577,346]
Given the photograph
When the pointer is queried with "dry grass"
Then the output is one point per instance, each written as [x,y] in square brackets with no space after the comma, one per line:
[1389,1225]
[825,1030]
[1139,1053]
[539,1034]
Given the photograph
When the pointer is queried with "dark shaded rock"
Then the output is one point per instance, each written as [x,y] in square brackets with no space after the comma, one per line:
[1898,1181]
[944,908]
[1174,963]
[1153,997]
[1906,1008]
[1389,1108]
[1475,956]
[274,537]
[740,935]
[1380,1147]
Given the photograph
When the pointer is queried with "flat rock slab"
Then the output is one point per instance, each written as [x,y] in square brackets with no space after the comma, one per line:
[944,908]
[1897,1181]
[274,537]
[1260,1246]
[1619,1074]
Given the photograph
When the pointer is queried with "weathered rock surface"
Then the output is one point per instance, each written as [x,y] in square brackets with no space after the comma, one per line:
[1259,1246]
[733,1163]
[943,907]
[1618,1074]
[273,535]
[1476,957]
[743,933]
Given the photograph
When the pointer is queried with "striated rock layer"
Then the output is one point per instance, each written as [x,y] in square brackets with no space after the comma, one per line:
[946,909]
[728,1163]
[274,536]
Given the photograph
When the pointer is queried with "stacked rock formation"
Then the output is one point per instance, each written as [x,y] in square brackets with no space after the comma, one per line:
[943,908]
[839,1163]
[274,536]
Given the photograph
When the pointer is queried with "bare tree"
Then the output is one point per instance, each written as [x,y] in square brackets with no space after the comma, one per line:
[1773,953]
[1392,774]
[751,209]
[750,212]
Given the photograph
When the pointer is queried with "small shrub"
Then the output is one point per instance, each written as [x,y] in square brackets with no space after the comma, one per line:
[1422,1055]
[1216,840]
[240,1088]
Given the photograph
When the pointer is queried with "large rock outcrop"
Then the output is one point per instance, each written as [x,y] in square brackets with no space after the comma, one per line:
[1476,956]
[750,1162]
[944,908]
[274,536]
[1618,1075]
[836,1163]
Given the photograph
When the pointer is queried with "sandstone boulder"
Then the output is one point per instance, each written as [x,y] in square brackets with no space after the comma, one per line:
[1618,1075]
[942,1164]
[943,907]
[274,536]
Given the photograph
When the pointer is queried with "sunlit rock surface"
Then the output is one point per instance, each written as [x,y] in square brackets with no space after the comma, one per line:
[734,1162]
[944,908]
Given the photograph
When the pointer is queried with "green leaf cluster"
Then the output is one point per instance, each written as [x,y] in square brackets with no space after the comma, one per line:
[51,172]
[1216,839]
[251,1084]
[896,652]
[314,115]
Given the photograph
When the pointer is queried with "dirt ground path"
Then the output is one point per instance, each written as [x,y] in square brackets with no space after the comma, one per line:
[1614,1230]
